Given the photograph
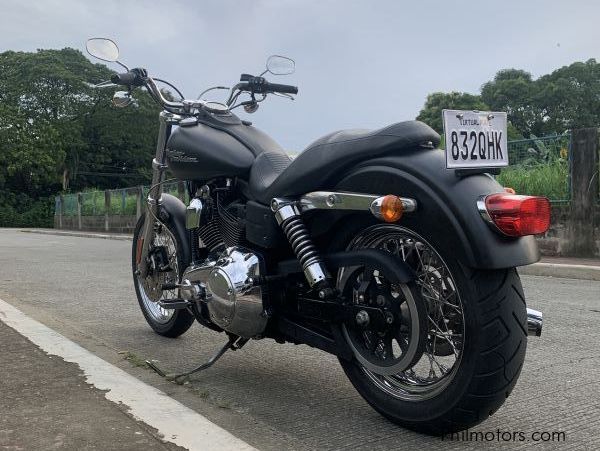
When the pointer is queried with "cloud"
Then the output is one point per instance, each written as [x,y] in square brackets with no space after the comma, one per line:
[359,63]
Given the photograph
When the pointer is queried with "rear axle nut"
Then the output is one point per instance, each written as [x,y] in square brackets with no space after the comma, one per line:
[362,318]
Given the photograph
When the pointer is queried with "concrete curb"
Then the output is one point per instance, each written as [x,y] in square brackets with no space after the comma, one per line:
[585,272]
[104,236]
[560,270]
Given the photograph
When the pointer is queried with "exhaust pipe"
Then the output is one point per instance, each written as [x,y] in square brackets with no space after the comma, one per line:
[534,322]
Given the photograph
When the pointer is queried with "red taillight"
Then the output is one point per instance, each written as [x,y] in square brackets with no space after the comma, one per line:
[516,215]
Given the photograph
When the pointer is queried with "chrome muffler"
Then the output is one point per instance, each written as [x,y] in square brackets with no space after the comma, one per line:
[534,322]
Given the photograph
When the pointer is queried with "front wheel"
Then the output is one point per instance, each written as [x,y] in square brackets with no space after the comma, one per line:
[167,263]
[474,340]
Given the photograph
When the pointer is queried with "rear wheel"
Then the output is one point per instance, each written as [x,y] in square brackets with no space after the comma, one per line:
[167,263]
[474,340]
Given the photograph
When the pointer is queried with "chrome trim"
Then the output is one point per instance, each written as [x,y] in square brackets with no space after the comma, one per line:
[408,206]
[534,322]
[331,200]
[166,119]
[156,165]
[279,202]
[227,287]
[286,212]
[193,213]
[314,273]
[121,99]
[483,210]
[236,302]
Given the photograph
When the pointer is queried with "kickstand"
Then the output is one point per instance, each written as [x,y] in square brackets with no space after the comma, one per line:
[233,343]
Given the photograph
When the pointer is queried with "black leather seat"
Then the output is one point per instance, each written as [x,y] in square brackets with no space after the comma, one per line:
[275,174]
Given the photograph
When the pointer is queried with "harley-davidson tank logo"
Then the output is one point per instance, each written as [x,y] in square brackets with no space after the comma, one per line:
[179,156]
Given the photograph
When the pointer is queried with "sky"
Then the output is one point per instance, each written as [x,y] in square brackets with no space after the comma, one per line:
[359,63]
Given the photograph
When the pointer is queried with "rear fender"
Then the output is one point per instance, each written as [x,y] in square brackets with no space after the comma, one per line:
[447,213]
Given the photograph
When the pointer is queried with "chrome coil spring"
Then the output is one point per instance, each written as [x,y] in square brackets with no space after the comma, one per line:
[288,217]
[299,238]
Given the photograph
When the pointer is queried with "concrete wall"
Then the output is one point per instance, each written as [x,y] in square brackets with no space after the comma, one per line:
[116,223]
[557,241]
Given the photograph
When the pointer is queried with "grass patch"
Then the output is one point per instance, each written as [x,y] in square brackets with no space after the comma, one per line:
[134,359]
[550,180]
[223,404]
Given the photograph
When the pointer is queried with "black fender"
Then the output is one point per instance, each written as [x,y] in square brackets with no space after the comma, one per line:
[447,213]
[173,213]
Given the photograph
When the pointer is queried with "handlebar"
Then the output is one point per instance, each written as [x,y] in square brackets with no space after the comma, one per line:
[256,85]
[135,77]
[260,85]
[284,89]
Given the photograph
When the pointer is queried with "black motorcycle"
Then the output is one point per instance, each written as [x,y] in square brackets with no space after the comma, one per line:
[365,245]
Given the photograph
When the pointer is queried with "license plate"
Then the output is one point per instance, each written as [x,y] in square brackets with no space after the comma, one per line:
[475,139]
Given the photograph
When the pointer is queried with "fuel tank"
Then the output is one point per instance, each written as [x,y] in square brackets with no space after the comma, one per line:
[217,146]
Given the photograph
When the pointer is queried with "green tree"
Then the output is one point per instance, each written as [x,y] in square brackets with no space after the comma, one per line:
[569,97]
[58,132]
[431,113]
[513,91]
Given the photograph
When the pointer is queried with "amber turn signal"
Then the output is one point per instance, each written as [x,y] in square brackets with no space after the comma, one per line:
[388,208]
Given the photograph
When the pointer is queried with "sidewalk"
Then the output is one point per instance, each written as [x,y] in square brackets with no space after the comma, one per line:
[45,403]
[572,268]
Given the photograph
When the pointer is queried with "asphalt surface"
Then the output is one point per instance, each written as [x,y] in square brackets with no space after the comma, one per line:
[294,397]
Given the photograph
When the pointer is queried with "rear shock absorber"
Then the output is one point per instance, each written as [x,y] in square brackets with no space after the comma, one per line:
[289,219]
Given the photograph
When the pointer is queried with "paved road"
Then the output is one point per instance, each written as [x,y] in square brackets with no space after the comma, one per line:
[293,397]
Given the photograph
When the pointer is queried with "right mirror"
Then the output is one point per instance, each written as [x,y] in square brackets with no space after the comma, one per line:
[280,65]
[121,99]
[103,49]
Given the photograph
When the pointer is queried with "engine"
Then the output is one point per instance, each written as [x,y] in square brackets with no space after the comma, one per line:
[224,273]
[227,287]
[221,224]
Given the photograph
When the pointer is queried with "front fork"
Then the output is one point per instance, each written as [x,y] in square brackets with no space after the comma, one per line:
[159,167]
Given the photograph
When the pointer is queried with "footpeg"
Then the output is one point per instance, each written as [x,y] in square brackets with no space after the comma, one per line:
[174,304]
[234,343]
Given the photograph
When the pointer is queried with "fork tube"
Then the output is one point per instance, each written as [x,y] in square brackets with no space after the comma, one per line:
[159,167]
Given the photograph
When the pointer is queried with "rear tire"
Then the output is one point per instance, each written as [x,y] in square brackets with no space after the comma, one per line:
[493,352]
[180,320]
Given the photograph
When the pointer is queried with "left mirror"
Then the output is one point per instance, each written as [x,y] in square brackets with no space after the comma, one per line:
[102,48]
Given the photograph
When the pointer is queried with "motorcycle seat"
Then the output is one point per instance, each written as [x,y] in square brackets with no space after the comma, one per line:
[276,174]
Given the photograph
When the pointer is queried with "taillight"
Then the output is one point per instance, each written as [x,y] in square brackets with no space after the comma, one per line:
[516,215]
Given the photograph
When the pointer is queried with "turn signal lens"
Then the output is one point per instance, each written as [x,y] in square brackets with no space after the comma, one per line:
[391,208]
[509,190]
[516,215]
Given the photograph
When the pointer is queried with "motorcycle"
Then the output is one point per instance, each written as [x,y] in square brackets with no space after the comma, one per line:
[367,245]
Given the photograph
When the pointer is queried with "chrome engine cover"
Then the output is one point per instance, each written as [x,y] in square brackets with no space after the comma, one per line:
[227,287]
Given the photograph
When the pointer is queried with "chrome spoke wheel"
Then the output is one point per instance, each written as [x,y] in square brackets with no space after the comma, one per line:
[164,269]
[444,326]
